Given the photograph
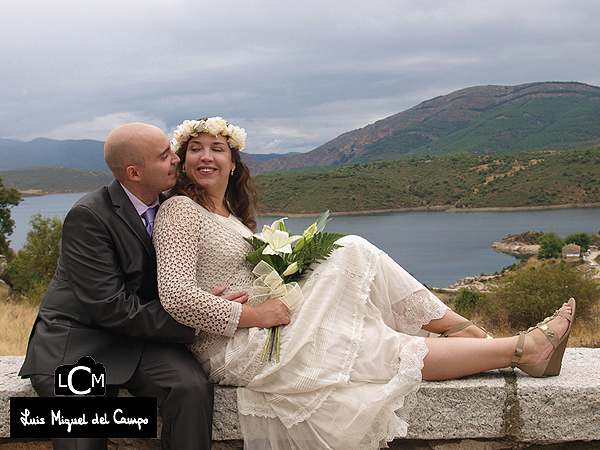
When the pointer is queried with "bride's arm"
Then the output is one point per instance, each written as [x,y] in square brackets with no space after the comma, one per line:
[177,239]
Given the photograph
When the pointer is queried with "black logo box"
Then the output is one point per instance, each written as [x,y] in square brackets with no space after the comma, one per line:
[92,417]
[87,377]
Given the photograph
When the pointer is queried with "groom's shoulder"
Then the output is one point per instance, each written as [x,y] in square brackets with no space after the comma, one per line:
[101,203]
[102,197]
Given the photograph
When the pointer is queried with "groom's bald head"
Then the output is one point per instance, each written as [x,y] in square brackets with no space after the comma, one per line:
[129,144]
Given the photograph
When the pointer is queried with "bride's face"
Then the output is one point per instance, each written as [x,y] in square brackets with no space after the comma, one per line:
[208,162]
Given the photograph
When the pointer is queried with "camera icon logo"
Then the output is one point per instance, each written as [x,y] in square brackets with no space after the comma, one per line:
[86,377]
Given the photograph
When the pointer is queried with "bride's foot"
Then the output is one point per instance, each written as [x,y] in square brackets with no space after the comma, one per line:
[540,349]
[467,329]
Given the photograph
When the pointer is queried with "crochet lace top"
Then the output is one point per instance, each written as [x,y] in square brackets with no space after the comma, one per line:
[197,252]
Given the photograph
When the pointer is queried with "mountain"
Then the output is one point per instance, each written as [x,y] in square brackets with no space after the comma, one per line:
[478,120]
[82,154]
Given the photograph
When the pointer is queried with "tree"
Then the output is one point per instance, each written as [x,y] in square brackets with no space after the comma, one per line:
[8,197]
[30,272]
[551,245]
[582,239]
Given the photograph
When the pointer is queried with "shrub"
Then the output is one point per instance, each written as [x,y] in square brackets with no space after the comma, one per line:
[530,295]
[467,301]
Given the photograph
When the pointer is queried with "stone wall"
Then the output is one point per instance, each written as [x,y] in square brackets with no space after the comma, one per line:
[493,410]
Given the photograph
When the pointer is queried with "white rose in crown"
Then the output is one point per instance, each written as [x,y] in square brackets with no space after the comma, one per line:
[237,137]
[215,126]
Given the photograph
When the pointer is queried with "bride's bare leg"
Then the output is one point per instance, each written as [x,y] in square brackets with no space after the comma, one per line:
[454,358]
[450,320]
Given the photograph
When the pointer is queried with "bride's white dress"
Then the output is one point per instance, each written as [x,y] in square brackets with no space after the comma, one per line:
[350,358]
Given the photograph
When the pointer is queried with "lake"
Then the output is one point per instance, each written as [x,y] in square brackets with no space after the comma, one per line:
[439,248]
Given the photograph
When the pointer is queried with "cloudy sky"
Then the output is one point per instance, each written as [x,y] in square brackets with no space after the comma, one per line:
[294,74]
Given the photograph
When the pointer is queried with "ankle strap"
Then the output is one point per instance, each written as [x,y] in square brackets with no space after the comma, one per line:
[518,350]
[457,328]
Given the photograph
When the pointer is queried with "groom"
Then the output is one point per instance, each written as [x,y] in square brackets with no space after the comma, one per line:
[103,300]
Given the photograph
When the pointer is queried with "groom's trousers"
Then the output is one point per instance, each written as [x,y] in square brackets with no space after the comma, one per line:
[184,396]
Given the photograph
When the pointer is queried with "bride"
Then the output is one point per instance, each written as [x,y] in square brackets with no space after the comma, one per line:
[351,361]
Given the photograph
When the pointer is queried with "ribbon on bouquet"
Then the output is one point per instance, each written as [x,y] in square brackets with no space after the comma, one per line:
[269,284]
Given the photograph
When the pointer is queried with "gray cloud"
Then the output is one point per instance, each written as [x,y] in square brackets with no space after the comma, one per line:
[294,74]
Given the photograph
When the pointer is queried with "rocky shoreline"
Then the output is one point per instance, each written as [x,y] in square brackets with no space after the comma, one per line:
[435,208]
[478,283]
[516,248]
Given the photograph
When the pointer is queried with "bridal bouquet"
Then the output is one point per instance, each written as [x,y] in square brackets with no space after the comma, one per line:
[280,260]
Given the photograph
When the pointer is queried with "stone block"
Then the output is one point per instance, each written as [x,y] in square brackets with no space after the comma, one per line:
[563,408]
[500,406]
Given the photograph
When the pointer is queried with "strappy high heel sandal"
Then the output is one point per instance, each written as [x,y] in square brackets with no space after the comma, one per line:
[551,366]
[462,326]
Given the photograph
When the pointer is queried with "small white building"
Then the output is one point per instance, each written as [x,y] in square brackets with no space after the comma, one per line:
[571,251]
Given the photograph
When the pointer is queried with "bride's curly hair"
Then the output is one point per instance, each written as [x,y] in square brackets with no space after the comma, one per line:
[241,196]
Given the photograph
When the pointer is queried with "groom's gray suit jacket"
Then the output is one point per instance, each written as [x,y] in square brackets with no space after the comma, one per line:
[103,300]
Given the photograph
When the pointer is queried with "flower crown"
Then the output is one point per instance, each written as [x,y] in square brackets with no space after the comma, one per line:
[236,136]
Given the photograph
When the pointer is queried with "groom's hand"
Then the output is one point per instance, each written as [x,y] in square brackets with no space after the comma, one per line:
[239,296]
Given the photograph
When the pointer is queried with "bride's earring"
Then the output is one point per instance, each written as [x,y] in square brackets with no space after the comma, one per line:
[231,172]
[182,169]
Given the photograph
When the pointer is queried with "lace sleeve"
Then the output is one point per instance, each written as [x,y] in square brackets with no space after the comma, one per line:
[178,236]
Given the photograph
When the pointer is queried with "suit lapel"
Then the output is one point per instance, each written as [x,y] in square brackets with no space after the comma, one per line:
[124,209]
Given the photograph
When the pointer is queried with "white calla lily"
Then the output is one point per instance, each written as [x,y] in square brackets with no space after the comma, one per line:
[277,241]
[277,225]
[277,238]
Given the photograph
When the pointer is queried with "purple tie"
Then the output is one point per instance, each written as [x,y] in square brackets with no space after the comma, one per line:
[148,217]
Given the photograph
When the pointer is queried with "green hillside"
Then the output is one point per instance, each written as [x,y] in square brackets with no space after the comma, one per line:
[527,179]
[43,180]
